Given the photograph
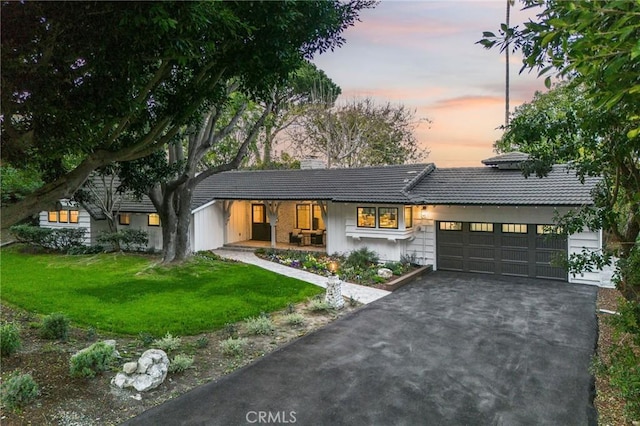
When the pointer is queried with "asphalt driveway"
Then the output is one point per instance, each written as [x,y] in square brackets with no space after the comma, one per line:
[450,349]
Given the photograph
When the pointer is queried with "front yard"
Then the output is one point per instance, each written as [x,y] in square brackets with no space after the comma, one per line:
[128,299]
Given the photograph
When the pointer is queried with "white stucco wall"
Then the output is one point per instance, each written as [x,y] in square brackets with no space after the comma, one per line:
[207,226]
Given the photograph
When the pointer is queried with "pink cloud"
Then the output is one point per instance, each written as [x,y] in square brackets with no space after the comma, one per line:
[464,102]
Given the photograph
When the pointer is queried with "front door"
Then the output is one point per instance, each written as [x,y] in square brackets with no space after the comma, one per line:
[260,228]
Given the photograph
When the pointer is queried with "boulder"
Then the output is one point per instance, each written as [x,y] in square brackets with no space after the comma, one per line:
[385,273]
[149,373]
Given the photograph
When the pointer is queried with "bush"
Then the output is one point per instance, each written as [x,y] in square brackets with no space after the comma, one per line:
[233,347]
[294,319]
[320,305]
[361,258]
[409,258]
[168,343]
[202,342]
[79,250]
[9,339]
[18,390]
[57,239]
[180,363]
[55,326]
[259,325]
[127,239]
[97,357]
[230,330]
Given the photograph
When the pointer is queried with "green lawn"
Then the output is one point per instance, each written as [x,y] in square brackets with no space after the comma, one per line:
[127,294]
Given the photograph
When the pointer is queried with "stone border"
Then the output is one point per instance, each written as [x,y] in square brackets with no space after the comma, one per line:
[405,279]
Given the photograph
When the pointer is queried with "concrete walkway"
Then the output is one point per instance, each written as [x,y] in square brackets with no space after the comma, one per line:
[360,293]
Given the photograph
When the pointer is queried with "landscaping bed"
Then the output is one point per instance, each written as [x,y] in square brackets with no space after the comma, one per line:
[64,400]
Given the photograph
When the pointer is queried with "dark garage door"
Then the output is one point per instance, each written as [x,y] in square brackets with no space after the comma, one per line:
[522,250]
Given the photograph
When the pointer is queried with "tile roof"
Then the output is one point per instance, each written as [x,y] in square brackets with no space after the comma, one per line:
[492,186]
[128,203]
[508,157]
[383,184]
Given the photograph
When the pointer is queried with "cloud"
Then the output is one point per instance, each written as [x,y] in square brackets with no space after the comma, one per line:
[464,102]
[404,94]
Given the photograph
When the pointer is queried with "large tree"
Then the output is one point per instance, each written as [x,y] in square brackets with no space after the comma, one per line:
[593,123]
[359,133]
[91,83]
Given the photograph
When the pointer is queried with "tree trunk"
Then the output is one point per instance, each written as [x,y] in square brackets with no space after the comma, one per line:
[506,55]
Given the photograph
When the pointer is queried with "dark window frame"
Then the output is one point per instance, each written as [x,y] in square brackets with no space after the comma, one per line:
[394,217]
[122,221]
[73,213]
[442,226]
[149,219]
[375,217]
[309,217]
[511,228]
[50,213]
[408,223]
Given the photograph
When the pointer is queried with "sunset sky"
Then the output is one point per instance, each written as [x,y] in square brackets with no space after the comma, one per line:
[423,54]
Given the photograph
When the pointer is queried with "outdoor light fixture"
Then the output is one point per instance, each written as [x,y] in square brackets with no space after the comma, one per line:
[424,213]
[333,267]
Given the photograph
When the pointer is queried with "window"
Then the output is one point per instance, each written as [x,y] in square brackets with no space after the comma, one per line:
[514,228]
[303,216]
[53,216]
[408,216]
[63,216]
[318,223]
[73,216]
[388,217]
[125,219]
[366,217]
[450,226]
[481,227]
[548,229]
[154,219]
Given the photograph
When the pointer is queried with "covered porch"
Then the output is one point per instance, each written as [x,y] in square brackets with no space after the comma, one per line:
[254,244]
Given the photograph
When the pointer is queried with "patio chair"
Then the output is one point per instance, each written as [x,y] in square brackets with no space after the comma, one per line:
[318,238]
[295,237]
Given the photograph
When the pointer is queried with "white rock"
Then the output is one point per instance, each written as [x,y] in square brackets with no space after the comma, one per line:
[130,367]
[385,273]
[151,370]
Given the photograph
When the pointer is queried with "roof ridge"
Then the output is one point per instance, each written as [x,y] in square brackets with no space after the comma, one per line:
[409,186]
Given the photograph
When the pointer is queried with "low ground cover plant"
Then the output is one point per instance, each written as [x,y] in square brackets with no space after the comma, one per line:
[234,346]
[180,363]
[9,339]
[167,343]
[260,325]
[55,327]
[88,362]
[18,390]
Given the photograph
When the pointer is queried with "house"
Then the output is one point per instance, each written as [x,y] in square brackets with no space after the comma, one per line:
[488,219]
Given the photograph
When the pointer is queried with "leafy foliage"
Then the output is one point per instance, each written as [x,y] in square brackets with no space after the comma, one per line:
[360,133]
[18,390]
[55,326]
[15,184]
[96,358]
[180,363]
[234,347]
[9,339]
[260,325]
[168,343]
[154,67]
[128,239]
[361,258]
[62,239]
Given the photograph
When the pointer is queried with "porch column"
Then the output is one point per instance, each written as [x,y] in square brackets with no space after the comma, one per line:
[226,215]
[272,211]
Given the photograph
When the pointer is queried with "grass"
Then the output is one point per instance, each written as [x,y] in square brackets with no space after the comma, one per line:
[130,294]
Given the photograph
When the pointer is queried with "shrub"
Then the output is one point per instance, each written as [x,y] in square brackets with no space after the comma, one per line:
[294,319]
[168,343]
[259,325]
[320,305]
[409,258]
[396,267]
[206,254]
[180,363]
[55,326]
[202,342]
[57,239]
[145,338]
[127,239]
[18,390]
[361,258]
[97,357]
[233,347]
[230,330]
[9,339]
